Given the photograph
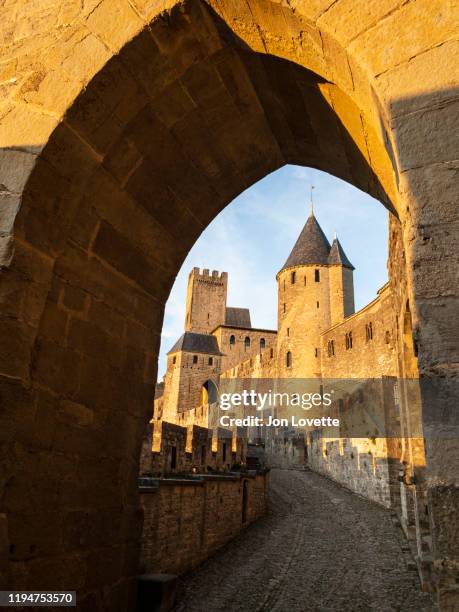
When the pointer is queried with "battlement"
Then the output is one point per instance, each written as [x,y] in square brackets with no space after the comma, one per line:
[207,275]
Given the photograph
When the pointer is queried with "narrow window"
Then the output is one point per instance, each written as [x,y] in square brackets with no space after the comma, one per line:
[305,280]
[173,457]
[349,340]
[288,331]
[284,284]
[285,307]
[331,348]
[317,304]
[293,278]
[316,352]
[369,331]
[262,344]
[195,359]
[317,276]
[232,341]
[174,360]
[208,315]
[271,353]
[247,343]
[387,337]
[224,451]
[211,361]
[288,359]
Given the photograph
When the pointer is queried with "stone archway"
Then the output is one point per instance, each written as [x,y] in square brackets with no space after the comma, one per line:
[127,133]
[209,393]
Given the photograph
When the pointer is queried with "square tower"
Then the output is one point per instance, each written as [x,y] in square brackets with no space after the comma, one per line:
[205,300]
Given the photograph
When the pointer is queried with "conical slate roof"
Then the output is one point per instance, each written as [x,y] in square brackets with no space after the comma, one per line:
[338,256]
[312,246]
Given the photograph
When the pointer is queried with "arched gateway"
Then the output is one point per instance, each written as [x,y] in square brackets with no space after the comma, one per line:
[125,128]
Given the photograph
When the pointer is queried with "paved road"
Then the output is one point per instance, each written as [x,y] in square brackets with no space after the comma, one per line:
[320,548]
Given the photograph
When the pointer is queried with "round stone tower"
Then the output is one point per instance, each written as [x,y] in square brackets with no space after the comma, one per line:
[315,291]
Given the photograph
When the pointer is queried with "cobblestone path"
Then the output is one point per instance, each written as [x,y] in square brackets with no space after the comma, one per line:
[320,548]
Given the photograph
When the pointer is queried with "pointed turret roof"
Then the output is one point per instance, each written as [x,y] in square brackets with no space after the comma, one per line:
[338,256]
[312,246]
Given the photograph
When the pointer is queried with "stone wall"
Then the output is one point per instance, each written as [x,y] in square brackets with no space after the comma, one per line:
[363,465]
[373,352]
[185,375]
[234,354]
[186,521]
[179,449]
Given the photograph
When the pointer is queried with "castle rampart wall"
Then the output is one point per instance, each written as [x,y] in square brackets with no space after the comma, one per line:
[186,521]
[373,350]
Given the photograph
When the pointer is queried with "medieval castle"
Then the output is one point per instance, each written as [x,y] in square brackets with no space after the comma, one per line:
[319,334]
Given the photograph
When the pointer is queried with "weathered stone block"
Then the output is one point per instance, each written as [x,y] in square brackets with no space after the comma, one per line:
[124,256]
[57,367]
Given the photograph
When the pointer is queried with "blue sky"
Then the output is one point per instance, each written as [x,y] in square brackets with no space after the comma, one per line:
[253,236]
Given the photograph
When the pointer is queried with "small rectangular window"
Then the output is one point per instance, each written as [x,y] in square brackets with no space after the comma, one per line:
[285,307]
[317,304]
[211,361]
[173,457]
[288,331]
[317,276]
[195,359]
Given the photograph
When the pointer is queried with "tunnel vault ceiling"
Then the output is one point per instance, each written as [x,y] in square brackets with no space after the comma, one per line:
[179,123]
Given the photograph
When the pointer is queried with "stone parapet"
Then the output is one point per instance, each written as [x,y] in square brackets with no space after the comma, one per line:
[187,519]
